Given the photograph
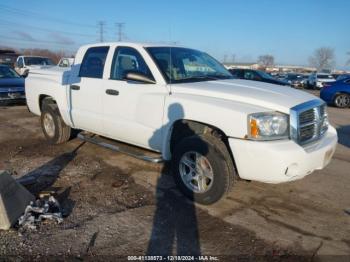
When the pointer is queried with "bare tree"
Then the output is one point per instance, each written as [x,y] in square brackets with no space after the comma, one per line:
[323,58]
[266,60]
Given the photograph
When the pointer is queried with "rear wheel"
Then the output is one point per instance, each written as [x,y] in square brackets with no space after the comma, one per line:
[202,168]
[52,124]
[342,100]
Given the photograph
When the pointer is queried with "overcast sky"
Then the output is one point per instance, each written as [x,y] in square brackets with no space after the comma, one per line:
[289,30]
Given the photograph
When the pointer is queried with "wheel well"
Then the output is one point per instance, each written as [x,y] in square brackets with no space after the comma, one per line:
[185,128]
[339,93]
[45,97]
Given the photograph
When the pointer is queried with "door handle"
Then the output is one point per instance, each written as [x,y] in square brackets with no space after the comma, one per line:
[75,87]
[112,92]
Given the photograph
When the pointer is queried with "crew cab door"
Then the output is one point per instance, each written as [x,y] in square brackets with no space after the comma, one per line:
[87,89]
[133,111]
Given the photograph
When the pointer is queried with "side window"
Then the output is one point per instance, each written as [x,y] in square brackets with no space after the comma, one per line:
[126,60]
[93,62]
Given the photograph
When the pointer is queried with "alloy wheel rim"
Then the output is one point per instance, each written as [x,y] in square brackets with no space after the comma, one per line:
[196,172]
[343,100]
[49,125]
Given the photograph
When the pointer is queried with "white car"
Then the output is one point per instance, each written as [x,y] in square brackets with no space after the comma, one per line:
[184,105]
[316,80]
[26,63]
[65,62]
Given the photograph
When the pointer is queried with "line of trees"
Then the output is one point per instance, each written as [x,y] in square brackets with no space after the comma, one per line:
[55,56]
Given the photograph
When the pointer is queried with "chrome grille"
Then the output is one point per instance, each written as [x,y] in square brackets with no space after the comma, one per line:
[309,121]
[307,116]
[307,132]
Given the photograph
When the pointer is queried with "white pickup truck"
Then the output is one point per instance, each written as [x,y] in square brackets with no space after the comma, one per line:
[186,106]
[26,63]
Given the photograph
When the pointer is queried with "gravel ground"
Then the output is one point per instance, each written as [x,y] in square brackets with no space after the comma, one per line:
[116,206]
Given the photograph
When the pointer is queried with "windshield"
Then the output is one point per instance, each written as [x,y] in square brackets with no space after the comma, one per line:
[37,61]
[324,76]
[181,65]
[293,77]
[6,72]
[341,77]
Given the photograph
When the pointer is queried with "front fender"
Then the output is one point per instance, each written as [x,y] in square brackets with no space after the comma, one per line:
[226,115]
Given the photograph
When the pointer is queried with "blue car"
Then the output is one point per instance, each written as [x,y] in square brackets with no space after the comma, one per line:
[11,86]
[337,93]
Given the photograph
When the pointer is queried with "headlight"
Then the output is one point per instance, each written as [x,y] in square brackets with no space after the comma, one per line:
[268,126]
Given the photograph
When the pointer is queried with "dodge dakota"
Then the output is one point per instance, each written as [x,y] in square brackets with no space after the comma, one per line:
[185,106]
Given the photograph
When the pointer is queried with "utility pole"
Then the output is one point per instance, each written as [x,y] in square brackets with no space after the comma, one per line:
[101,25]
[120,27]
[225,58]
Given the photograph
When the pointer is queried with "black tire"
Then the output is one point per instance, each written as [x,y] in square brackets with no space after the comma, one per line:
[216,153]
[61,132]
[342,100]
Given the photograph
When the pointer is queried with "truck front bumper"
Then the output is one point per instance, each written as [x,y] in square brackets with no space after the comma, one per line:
[282,160]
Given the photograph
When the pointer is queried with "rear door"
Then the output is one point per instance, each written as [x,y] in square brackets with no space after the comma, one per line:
[86,92]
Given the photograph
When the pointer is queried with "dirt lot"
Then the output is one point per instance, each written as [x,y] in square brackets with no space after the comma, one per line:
[115,205]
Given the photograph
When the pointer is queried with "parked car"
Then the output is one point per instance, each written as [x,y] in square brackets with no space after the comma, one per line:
[295,80]
[337,93]
[316,80]
[184,105]
[11,86]
[25,63]
[65,62]
[343,76]
[256,75]
[304,80]
[8,57]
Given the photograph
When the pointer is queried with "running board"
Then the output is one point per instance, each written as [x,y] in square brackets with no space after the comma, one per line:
[116,148]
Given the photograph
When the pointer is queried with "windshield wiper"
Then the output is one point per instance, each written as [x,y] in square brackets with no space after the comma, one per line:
[207,77]
[220,76]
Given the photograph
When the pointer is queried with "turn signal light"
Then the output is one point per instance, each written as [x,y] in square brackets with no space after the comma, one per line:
[254,130]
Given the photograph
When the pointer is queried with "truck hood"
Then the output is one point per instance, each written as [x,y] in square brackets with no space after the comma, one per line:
[270,96]
[31,67]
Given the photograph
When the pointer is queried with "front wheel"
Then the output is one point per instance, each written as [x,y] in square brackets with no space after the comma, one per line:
[202,168]
[342,100]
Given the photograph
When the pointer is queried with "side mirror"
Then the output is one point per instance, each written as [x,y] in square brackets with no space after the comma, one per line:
[25,73]
[139,77]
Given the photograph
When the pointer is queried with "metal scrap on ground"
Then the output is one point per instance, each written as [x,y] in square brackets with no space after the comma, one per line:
[41,209]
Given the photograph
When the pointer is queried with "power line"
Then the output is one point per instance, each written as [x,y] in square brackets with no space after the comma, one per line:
[5,23]
[41,16]
[33,40]
[101,25]
[120,26]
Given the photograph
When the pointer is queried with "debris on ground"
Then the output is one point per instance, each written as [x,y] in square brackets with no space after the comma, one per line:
[46,208]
